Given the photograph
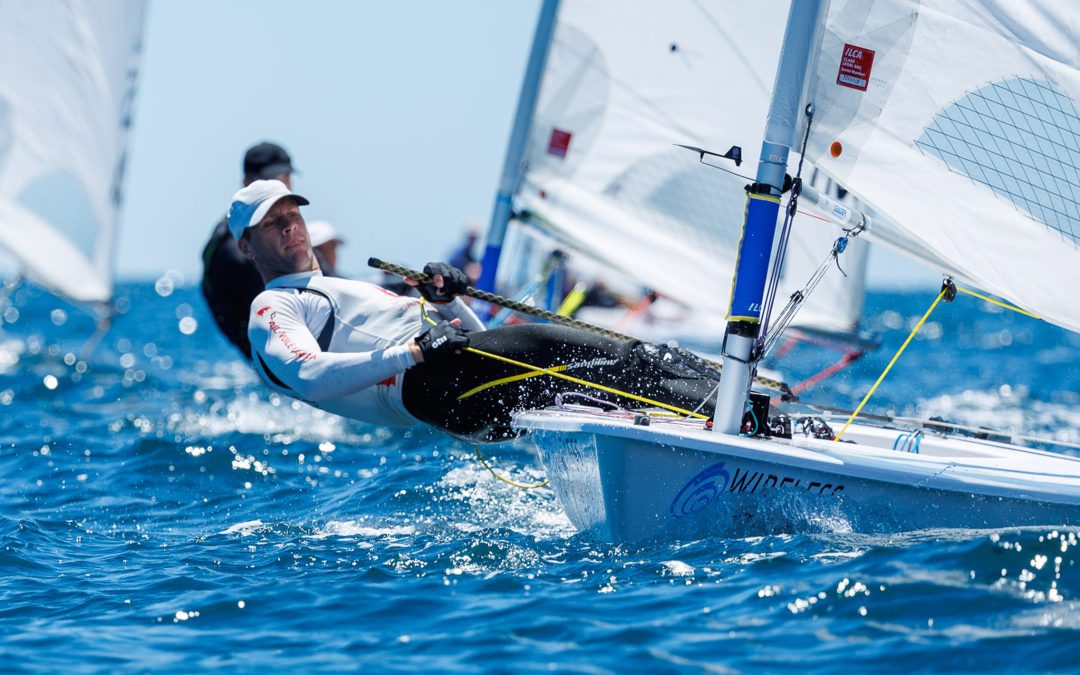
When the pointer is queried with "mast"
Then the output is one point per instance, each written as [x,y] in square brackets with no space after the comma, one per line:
[793,74]
[515,152]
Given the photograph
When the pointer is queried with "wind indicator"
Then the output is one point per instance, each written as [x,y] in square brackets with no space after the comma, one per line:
[734,153]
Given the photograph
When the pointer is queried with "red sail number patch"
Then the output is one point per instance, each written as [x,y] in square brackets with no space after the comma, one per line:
[855,67]
[559,143]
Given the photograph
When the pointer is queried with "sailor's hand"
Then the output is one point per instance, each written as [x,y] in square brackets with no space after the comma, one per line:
[447,282]
[442,340]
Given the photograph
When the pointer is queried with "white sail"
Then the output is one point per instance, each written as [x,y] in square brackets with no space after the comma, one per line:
[960,121]
[67,82]
[604,175]
[624,479]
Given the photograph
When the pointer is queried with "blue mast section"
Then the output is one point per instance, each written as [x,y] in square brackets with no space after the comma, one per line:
[515,152]
[802,39]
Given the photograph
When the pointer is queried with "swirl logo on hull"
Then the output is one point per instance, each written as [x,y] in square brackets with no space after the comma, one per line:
[700,491]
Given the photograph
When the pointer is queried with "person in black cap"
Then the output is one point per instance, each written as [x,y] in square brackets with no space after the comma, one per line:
[230,281]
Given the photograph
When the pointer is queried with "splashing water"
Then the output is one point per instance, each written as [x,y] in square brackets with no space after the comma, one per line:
[161,510]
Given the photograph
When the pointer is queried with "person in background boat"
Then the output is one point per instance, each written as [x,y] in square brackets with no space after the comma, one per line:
[355,349]
[230,281]
[595,294]
[590,293]
[324,242]
[464,256]
[397,285]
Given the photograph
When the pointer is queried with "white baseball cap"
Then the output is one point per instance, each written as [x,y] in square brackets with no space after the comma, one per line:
[321,232]
[251,204]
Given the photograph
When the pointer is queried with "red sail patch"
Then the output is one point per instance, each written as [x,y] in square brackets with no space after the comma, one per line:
[559,143]
[855,66]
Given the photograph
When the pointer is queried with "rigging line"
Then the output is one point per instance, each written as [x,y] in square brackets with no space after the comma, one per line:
[931,424]
[487,466]
[503,380]
[847,359]
[814,216]
[794,304]
[585,383]
[749,66]
[911,336]
[999,303]
[787,315]
[708,397]
[701,160]
[640,307]
[424,313]
[785,234]
[526,292]
[544,314]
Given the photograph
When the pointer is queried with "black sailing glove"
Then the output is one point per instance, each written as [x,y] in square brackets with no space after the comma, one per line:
[444,339]
[454,283]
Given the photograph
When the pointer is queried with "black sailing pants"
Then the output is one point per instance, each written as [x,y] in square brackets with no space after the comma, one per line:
[431,391]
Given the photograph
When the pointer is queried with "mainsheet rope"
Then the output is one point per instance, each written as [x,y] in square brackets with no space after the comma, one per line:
[585,383]
[548,316]
[948,288]
[480,456]
[554,372]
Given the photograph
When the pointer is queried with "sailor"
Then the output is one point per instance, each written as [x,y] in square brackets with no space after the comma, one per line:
[358,350]
[324,242]
[464,256]
[230,281]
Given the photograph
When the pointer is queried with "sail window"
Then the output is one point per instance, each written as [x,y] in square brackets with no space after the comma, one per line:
[1019,137]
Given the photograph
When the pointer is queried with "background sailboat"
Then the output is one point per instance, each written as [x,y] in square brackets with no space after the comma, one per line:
[602,175]
[68,73]
[921,147]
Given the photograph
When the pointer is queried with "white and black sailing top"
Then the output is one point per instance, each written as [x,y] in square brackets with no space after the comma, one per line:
[340,344]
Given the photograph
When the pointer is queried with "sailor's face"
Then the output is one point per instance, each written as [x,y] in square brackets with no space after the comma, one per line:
[280,243]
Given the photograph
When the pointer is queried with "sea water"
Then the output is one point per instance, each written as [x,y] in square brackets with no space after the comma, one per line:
[162,511]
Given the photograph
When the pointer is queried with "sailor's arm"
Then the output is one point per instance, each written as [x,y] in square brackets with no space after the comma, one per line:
[458,309]
[288,355]
[444,289]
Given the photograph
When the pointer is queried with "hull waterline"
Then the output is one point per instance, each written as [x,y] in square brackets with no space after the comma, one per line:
[625,482]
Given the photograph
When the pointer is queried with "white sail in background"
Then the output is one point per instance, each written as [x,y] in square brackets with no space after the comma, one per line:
[603,173]
[67,82]
[961,122]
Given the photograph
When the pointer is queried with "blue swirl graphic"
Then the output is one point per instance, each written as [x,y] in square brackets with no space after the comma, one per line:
[700,491]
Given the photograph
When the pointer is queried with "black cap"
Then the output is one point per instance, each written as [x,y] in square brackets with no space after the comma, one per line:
[266,160]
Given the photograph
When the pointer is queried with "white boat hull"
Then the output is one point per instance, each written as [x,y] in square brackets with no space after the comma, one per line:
[624,482]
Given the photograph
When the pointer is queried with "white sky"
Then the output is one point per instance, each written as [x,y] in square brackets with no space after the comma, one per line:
[397,115]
